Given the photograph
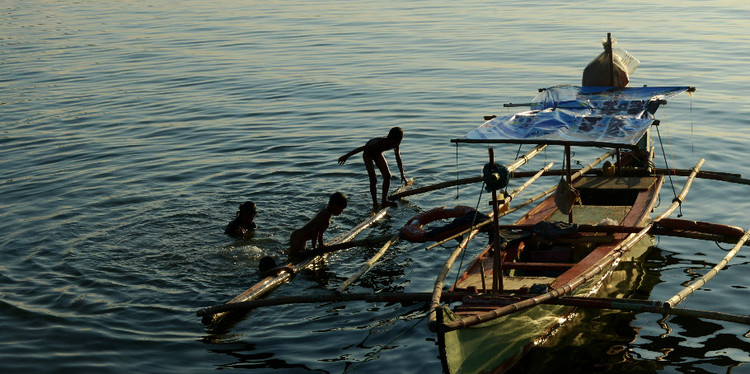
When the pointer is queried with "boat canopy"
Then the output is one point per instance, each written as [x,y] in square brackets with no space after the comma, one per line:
[572,115]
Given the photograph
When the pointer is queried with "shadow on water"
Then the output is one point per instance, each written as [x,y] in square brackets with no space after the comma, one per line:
[360,338]
[337,337]
[247,356]
[608,341]
[598,341]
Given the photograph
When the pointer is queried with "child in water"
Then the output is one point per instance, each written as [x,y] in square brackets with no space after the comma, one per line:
[372,153]
[314,229]
[243,224]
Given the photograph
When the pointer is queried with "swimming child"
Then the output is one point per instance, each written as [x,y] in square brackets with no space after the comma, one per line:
[243,224]
[372,153]
[314,229]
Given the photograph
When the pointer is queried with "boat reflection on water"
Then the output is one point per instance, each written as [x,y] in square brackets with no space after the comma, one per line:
[598,340]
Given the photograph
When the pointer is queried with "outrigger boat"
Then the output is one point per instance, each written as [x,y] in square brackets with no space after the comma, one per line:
[558,256]
[519,289]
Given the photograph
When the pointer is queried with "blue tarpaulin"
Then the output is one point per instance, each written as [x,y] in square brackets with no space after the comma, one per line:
[601,116]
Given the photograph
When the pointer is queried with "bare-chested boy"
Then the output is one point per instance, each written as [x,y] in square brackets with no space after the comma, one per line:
[372,153]
[314,229]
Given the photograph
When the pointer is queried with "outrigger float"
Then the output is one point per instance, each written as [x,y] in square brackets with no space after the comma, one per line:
[535,273]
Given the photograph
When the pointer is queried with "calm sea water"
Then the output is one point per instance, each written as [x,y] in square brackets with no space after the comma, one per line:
[131,131]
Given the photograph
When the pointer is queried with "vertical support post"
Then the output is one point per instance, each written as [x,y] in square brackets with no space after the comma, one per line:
[568,178]
[618,162]
[481,268]
[611,60]
[497,267]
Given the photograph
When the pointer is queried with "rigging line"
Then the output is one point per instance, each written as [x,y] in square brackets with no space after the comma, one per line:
[518,152]
[692,136]
[666,165]
[722,248]
[457,171]
[461,263]
[669,137]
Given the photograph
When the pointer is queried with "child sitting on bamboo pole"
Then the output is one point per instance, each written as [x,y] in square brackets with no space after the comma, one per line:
[372,153]
[314,229]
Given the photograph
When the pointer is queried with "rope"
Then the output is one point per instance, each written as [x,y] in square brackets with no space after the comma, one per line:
[692,137]
[722,248]
[473,222]
[666,163]
[457,171]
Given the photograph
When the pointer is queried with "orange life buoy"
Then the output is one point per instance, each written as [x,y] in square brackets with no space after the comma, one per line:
[413,230]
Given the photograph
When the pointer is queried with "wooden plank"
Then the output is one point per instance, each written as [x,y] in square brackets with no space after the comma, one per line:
[554,266]
[614,183]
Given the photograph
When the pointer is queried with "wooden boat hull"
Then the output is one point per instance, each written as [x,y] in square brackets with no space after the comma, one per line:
[496,345]
[474,349]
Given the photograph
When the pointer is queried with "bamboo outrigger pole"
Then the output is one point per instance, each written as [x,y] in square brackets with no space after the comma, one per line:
[676,299]
[631,305]
[707,174]
[346,245]
[437,290]
[575,282]
[369,264]
[514,165]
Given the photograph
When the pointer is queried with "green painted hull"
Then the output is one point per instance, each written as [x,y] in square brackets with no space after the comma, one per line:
[495,346]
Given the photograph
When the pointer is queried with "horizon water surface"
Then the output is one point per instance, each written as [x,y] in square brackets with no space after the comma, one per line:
[131,131]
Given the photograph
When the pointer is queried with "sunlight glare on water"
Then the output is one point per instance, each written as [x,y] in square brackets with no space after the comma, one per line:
[132,131]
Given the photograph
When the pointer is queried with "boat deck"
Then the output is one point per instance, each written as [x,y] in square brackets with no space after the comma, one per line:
[509,282]
[614,183]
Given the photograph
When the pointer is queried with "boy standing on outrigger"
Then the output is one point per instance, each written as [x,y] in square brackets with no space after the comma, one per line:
[372,153]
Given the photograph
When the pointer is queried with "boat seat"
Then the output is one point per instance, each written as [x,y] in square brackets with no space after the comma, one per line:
[474,309]
[510,283]
[614,183]
[537,266]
